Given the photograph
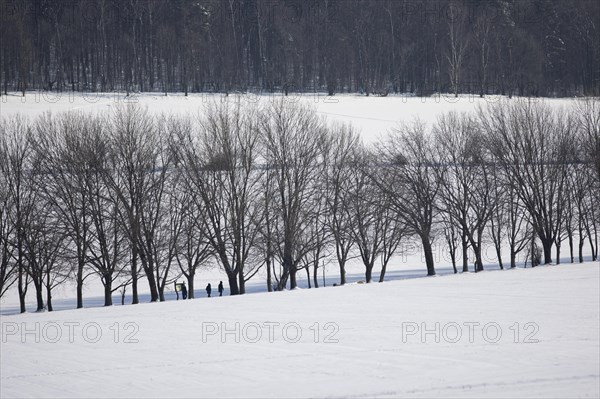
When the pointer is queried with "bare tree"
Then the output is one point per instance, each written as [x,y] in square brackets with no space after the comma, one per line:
[317,239]
[164,221]
[578,186]
[220,163]
[338,171]
[592,222]
[529,141]
[44,242]
[56,265]
[519,226]
[62,147]
[464,173]
[394,231]
[266,242]
[139,161]
[17,169]
[498,219]
[451,236]
[367,205]
[571,214]
[407,177]
[7,267]
[588,123]
[33,237]
[294,137]
[392,228]
[193,247]
[588,126]
[43,238]
[108,248]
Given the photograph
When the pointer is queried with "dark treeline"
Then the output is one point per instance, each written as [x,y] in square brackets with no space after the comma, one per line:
[520,47]
[128,196]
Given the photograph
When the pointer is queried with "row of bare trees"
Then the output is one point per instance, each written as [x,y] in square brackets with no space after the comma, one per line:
[131,197]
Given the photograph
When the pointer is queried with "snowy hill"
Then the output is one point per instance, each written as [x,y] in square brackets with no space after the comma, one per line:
[512,333]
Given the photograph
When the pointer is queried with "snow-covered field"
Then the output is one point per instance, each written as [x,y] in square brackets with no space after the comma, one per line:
[512,333]
[373,115]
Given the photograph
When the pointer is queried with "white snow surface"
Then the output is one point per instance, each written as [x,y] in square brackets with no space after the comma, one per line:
[181,349]
[373,116]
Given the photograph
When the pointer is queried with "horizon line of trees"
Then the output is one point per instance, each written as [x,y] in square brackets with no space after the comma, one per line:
[132,197]
[508,47]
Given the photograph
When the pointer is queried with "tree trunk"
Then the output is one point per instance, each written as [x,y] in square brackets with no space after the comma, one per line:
[368,273]
[49,297]
[308,276]
[383,269]
[342,272]
[428,255]
[547,245]
[153,288]
[80,285]
[533,253]
[382,274]
[161,292]
[595,252]
[293,283]
[453,258]
[108,291]
[233,286]
[499,255]
[593,247]
[557,253]
[282,283]
[478,260]
[269,280]
[315,274]
[190,281]
[39,296]
[22,289]
[581,242]
[513,258]
[134,277]
[465,253]
[571,247]
[242,282]
[289,269]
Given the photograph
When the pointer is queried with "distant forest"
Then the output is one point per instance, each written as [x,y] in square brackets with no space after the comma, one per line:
[510,47]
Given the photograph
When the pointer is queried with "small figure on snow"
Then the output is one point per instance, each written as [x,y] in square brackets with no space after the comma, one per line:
[220,288]
[183,291]
[208,289]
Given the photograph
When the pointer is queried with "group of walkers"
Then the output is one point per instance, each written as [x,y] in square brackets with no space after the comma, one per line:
[181,287]
[220,288]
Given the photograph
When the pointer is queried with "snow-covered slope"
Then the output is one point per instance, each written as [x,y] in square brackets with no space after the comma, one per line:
[358,340]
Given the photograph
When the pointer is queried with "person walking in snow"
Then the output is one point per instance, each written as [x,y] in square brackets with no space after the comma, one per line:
[208,289]
[183,291]
[220,288]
